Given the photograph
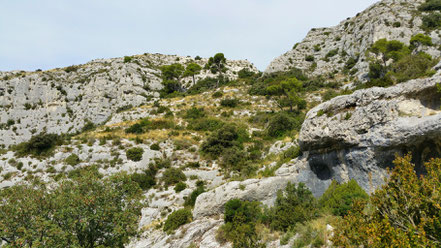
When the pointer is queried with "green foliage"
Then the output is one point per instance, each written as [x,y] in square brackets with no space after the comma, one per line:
[403,213]
[421,39]
[127,59]
[177,219]
[135,154]
[309,236]
[207,84]
[405,64]
[136,128]
[245,73]
[295,204]
[192,70]
[172,176]
[310,58]
[338,198]
[332,53]
[84,212]
[283,122]
[146,179]
[226,137]
[432,21]
[262,83]
[172,72]
[287,94]
[180,187]
[217,94]
[240,224]
[205,124]
[72,160]
[430,5]
[191,200]
[194,113]
[40,145]
[230,102]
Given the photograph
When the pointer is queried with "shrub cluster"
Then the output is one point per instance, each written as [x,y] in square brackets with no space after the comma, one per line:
[135,154]
[172,176]
[177,219]
[39,145]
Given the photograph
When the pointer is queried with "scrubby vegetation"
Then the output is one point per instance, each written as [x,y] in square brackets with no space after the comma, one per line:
[135,154]
[84,212]
[177,219]
[40,145]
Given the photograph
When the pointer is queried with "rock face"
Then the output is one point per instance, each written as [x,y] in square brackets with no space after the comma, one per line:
[326,50]
[63,100]
[357,136]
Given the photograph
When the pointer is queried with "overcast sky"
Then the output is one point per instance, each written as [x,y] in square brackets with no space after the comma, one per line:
[45,34]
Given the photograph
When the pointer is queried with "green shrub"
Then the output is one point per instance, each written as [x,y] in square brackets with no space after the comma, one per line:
[338,198]
[135,129]
[40,145]
[430,5]
[127,59]
[72,160]
[180,187]
[309,58]
[220,140]
[332,53]
[155,147]
[205,124]
[282,123]
[432,21]
[421,39]
[145,180]
[173,176]
[233,159]
[291,153]
[329,94]
[135,154]
[177,219]
[240,224]
[245,73]
[217,94]
[230,103]
[295,204]
[195,113]
[191,199]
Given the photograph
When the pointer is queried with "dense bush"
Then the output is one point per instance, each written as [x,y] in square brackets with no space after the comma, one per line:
[155,147]
[217,94]
[282,123]
[205,124]
[240,224]
[136,128]
[421,39]
[173,176]
[135,154]
[191,199]
[432,21]
[85,211]
[295,204]
[72,160]
[39,145]
[230,102]
[405,212]
[177,219]
[145,180]
[180,187]
[430,5]
[194,113]
[338,198]
[226,137]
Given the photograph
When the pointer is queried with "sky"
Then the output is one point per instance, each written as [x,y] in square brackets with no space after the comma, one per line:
[46,34]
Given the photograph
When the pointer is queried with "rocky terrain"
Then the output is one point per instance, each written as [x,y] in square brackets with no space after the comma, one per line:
[348,135]
[327,50]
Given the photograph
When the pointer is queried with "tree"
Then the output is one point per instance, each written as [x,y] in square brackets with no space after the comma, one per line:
[217,65]
[192,70]
[171,75]
[287,94]
[83,212]
[405,212]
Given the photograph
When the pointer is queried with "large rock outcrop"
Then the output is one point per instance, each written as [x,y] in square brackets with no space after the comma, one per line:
[330,48]
[63,100]
[357,136]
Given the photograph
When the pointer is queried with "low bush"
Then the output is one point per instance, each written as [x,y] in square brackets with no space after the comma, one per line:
[240,224]
[284,122]
[430,5]
[338,198]
[191,199]
[195,113]
[294,205]
[229,103]
[180,187]
[72,160]
[145,180]
[217,94]
[173,176]
[205,124]
[177,219]
[135,154]
[136,128]
[432,21]
[226,137]
[155,147]
[40,145]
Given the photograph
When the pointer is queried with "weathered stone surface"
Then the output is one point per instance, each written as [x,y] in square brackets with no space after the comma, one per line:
[356,136]
[63,100]
[354,36]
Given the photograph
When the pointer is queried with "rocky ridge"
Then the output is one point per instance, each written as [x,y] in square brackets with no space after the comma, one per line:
[326,50]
